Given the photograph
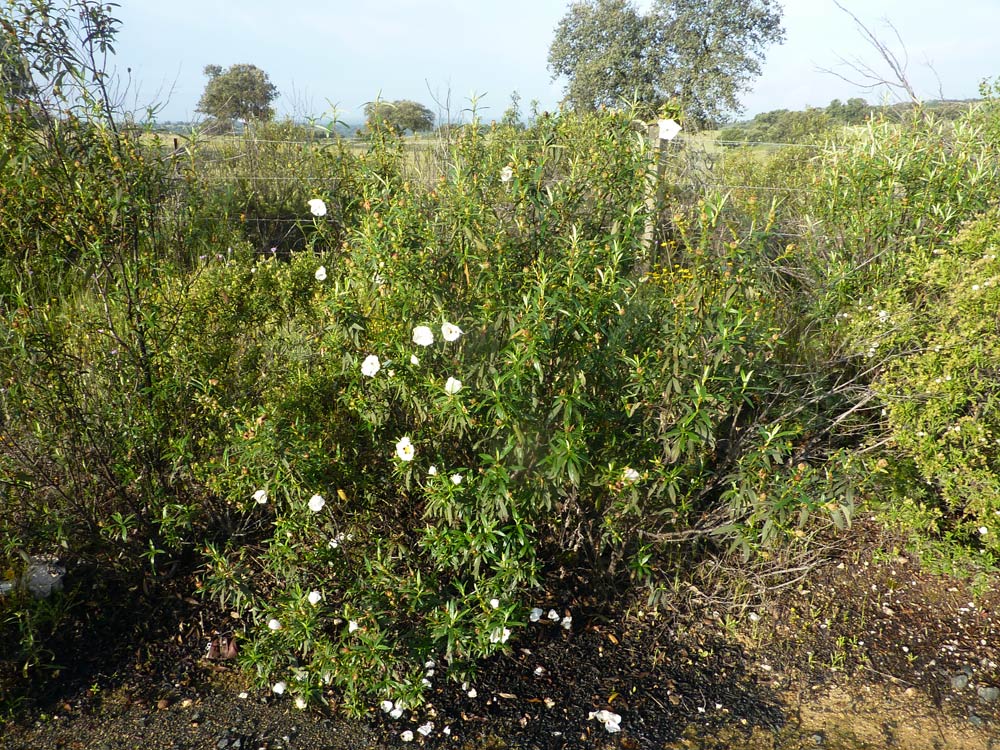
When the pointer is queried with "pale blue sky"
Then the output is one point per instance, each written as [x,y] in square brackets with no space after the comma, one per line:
[349,52]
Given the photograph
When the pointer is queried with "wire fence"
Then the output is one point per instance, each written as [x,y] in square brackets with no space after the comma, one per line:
[691,159]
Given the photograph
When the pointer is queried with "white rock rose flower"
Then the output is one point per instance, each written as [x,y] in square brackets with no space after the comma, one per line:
[506,174]
[260,496]
[278,688]
[406,736]
[274,624]
[300,703]
[536,614]
[317,206]
[433,470]
[452,386]
[315,597]
[321,273]
[668,129]
[456,479]
[404,449]
[630,475]
[415,360]
[352,626]
[450,331]
[316,503]
[423,336]
[370,366]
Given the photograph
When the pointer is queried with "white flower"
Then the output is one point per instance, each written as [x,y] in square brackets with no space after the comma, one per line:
[567,622]
[506,174]
[456,479]
[316,503]
[317,206]
[260,496]
[278,688]
[404,449]
[472,693]
[975,287]
[536,614]
[397,710]
[300,702]
[539,671]
[495,603]
[553,615]
[446,730]
[406,736]
[274,624]
[321,273]
[315,597]
[630,475]
[429,664]
[500,635]
[423,336]
[426,729]
[352,626]
[983,531]
[371,366]
[668,129]
[452,386]
[386,706]
[414,360]
[450,331]
[433,470]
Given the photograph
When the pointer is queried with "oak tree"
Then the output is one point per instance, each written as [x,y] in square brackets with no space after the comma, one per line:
[696,54]
[400,116]
[242,92]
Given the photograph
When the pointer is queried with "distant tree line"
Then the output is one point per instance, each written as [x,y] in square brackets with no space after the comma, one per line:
[802,126]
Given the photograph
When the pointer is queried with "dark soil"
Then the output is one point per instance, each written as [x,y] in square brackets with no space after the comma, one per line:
[873,652]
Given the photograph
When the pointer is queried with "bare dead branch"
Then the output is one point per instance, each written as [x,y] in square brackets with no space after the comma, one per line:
[865,75]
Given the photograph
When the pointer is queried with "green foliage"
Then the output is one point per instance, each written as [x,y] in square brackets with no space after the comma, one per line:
[696,54]
[941,393]
[241,92]
[398,116]
[595,405]
[781,126]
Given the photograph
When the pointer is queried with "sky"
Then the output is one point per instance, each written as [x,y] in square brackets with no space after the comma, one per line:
[452,55]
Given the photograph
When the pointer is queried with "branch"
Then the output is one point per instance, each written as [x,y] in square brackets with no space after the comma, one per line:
[870,78]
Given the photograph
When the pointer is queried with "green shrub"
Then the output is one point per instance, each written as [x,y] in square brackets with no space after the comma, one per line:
[942,394]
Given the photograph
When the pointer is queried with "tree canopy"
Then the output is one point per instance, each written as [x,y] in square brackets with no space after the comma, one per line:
[696,55]
[241,92]
[400,115]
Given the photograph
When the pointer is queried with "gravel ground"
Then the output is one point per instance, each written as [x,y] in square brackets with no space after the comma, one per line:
[873,652]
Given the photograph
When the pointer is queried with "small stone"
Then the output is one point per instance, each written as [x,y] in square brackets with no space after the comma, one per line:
[187,703]
[976,721]
[223,743]
[959,681]
[988,694]
[818,739]
[163,703]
